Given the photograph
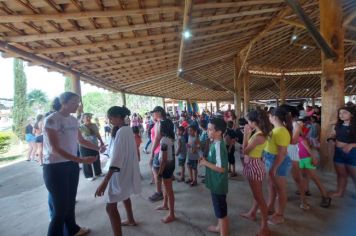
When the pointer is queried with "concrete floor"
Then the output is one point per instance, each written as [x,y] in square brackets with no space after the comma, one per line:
[24,211]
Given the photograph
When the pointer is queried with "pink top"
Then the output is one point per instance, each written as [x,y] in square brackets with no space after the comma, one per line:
[153,135]
[302,151]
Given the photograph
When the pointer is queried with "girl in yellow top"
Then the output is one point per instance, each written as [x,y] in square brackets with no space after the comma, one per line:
[254,168]
[278,164]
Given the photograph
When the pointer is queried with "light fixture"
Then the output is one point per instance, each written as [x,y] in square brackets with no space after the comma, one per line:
[294,37]
[307,90]
[350,86]
[305,47]
[191,83]
[180,70]
[187,34]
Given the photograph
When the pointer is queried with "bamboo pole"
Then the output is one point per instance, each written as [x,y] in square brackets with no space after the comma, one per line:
[282,89]
[123,98]
[332,78]
[186,20]
[246,81]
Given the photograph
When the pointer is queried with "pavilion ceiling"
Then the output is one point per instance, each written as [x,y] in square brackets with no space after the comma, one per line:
[135,46]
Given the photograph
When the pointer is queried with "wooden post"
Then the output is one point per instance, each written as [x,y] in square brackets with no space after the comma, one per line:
[217,105]
[123,97]
[277,102]
[313,101]
[75,79]
[238,87]
[211,107]
[246,81]
[164,104]
[282,90]
[173,108]
[332,77]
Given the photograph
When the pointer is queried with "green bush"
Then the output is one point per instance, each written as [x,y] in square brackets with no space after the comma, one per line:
[5,141]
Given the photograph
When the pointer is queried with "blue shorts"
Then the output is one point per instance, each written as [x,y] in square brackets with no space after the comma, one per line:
[30,138]
[181,159]
[284,167]
[193,164]
[220,205]
[155,162]
[345,158]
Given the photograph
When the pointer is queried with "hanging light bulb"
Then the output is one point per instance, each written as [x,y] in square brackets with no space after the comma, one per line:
[187,34]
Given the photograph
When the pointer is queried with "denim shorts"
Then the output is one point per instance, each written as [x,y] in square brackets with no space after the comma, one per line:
[283,168]
[181,159]
[155,162]
[193,164]
[345,158]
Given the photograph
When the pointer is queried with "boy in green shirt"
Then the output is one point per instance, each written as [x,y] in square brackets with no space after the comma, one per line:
[216,174]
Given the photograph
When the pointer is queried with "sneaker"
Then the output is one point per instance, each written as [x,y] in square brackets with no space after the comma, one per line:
[91,179]
[304,206]
[325,202]
[156,197]
[101,175]
[82,231]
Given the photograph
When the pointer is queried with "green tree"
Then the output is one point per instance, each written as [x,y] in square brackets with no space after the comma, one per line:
[37,100]
[19,110]
[68,85]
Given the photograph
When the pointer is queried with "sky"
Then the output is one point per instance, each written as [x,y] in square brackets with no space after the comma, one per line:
[52,83]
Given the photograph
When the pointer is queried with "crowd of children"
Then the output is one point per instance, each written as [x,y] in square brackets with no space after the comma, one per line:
[274,143]
[270,144]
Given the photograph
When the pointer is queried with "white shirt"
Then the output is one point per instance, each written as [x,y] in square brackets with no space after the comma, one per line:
[67,129]
[124,156]
[167,142]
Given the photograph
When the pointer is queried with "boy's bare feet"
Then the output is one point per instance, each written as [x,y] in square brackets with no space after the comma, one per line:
[248,216]
[276,219]
[168,219]
[335,194]
[214,229]
[128,223]
[160,208]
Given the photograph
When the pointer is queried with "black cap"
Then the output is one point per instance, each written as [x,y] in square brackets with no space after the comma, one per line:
[159,109]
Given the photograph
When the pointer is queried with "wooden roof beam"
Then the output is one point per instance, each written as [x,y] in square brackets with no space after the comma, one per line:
[234,15]
[129,58]
[106,43]
[294,23]
[349,18]
[314,32]
[88,14]
[186,20]
[45,62]
[204,6]
[91,32]
[138,62]
[120,51]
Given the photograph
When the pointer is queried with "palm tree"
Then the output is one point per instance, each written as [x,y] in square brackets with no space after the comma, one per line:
[37,99]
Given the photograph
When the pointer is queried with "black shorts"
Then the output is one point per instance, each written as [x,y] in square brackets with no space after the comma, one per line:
[220,205]
[107,129]
[87,152]
[169,170]
[39,139]
[231,155]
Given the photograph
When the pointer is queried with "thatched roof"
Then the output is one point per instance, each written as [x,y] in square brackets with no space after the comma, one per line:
[136,46]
